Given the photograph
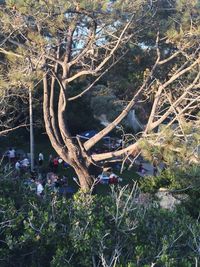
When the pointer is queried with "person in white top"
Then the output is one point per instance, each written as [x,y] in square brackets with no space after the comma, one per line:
[17,166]
[11,154]
[39,188]
[41,158]
[25,162]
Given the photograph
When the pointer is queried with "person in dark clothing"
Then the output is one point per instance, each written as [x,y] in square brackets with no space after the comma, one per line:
[40,159]
[55,164]
[155,168]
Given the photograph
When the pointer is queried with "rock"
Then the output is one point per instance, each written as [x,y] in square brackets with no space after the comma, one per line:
[166,199]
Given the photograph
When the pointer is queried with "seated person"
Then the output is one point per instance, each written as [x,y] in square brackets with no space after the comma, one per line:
[25,163]
[64,181]
[17,166]
[39,188]
[141,169]
[113,179]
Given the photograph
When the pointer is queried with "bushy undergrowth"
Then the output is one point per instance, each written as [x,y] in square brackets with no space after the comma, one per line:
[92,230]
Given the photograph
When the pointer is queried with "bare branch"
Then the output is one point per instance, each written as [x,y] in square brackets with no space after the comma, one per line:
[92,141]
[4,132]
[97,79]
[10,53]
[167,113]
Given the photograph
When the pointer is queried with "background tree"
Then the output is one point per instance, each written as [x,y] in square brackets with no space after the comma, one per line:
[13,114]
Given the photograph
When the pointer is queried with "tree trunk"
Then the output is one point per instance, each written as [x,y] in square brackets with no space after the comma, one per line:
[84,177]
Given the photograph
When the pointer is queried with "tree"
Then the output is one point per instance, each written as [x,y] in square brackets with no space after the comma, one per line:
[61,43]
[12,109]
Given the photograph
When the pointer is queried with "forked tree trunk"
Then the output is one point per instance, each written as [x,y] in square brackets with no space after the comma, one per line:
[85,179]
[78,163]
[62,142]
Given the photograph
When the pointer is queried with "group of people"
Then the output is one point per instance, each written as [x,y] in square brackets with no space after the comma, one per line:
[22,165]
[51,183]
[12,159]
[22,162]
[108,177]
[11,156]
[44,178]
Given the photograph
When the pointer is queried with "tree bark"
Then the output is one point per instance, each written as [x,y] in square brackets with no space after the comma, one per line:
[84,177]
[66,148]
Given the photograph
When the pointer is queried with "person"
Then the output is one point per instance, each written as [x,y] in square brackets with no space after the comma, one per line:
[55,164]
[48,188]
[155,164]
[40,159]
[64,180]
[155,170]
[50,157]
[113,179]
[30,182]
[52,182]
[66,165]
[25,162]
[140,167]
[39,188]
[51,162]
[11,155]
[33,175]
[107,171]
[17,167]
[60,161]
[143,171]
[57,184]
[63,186]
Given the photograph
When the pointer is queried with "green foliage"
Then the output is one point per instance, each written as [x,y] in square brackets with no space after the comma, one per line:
[168,147]
[177,178]
[183,182]
[105,102]
[54,231]
[164,234]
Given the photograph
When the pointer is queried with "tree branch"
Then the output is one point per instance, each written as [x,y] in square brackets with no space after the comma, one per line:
[166,114]
[97,79]
[92,141]
[3,51]
[4,132]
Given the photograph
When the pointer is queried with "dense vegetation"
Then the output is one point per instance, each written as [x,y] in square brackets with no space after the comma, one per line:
[124,228]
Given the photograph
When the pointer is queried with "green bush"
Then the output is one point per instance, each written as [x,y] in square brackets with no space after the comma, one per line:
[88,229]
